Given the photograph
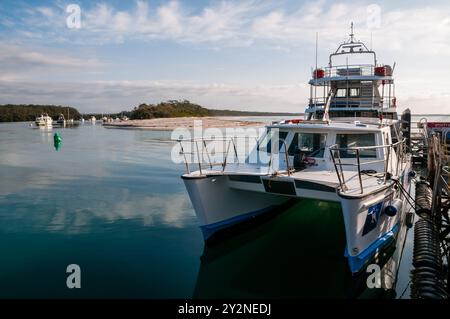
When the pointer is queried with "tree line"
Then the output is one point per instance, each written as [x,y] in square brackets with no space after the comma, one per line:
[29,112]
[184,108]
[171,108]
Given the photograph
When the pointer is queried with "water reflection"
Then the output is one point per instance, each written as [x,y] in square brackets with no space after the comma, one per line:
[150,211]
[297,254]
[98,178]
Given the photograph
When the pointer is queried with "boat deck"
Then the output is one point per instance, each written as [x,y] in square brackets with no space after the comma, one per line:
[370,183]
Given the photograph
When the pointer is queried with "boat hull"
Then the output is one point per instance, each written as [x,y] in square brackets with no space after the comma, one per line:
[218,206]
[43,124]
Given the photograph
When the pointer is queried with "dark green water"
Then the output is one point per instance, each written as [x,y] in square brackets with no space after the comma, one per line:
[112,202]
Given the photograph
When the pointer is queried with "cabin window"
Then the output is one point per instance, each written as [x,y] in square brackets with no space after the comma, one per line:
[312,144]
[354,92]
[282,138]
[341,93]
[265,144]
[356,140]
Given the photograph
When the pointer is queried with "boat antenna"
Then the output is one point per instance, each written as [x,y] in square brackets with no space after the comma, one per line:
[352,34]
[317,46]
[315,70]
[371,40]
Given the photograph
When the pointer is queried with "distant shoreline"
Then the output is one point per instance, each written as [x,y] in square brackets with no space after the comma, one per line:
[134,124]
[170,124]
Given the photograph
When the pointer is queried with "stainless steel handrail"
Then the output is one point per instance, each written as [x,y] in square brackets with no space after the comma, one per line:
[203,150]
[372,101]
[288,168]
[338,164]
[229,141]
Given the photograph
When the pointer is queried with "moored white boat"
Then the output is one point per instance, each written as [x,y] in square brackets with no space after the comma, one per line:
[349,149]
[44,121]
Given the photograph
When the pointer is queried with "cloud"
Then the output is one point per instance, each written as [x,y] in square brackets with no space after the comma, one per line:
[242,23]
[113,96]
[46,12]
[16,57]
[169,21]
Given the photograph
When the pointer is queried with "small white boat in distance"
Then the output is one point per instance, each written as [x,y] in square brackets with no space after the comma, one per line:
[44,121]
[93,120]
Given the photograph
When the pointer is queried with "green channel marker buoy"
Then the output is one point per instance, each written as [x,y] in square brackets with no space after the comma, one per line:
[57,141]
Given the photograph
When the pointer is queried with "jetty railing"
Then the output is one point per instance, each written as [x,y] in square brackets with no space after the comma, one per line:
[388,153]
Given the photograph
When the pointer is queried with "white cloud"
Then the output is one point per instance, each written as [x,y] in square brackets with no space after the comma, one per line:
[241,23]
[46,11]
[170,19]
[113,96]
[22,62]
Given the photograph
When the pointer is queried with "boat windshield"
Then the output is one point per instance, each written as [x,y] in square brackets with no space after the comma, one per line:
[267,142]
[311,144]
[356,140]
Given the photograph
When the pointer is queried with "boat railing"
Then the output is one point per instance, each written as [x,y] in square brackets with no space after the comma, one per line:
[286,158]
[370,102]
[200,155]
[199,151]
[350,70]
[388,151]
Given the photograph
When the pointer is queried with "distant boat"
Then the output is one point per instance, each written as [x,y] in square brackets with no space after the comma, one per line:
[44,121]
[82,120]
[93,119]
[61,120]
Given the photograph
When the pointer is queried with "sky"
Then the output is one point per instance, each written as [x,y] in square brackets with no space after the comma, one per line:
[242,55]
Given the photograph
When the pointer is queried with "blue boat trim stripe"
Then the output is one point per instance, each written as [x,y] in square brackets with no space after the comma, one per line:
[358,261]
[210,229]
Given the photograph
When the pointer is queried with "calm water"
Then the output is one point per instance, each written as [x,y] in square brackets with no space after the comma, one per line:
[112,202]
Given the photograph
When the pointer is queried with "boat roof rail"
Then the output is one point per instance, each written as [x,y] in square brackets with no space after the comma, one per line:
[352,46]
